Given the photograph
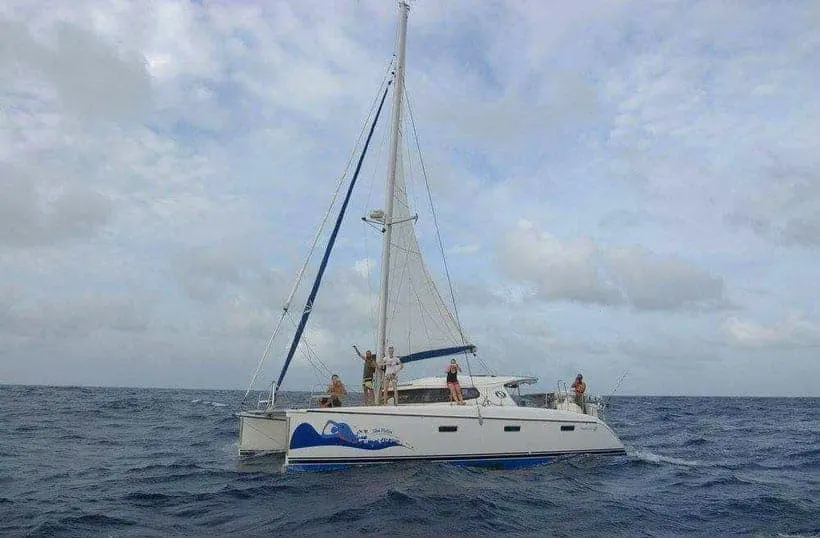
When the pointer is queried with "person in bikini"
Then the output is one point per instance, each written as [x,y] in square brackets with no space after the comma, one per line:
[452,382]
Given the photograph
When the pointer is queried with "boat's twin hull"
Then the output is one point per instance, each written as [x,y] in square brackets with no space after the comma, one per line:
[263,433]
[484,436]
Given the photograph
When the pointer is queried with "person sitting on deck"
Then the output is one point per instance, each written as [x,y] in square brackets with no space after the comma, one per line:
[336,389]
[392,365]
[580,388]
[367,375]
[452,382]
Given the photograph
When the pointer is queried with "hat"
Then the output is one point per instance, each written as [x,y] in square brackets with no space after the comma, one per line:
[579,376]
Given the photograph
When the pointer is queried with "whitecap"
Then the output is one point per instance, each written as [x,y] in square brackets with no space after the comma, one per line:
[657,459]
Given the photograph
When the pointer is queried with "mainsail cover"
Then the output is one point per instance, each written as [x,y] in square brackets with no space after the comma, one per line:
[419,323]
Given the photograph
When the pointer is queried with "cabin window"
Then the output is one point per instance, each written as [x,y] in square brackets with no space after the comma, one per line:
[512,428]
[447,428]
[565,428]
[434,395]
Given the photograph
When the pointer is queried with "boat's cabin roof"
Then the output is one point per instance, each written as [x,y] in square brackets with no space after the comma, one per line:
[488,388]
[478,381]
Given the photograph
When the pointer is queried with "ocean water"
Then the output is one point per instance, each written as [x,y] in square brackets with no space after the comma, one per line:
[148,462]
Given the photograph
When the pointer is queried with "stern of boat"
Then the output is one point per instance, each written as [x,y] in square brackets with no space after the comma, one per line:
[262,432]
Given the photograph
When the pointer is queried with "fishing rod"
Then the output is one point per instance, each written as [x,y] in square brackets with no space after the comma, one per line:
[617,386]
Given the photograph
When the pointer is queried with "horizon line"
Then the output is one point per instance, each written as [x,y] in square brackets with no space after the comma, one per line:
[74,386]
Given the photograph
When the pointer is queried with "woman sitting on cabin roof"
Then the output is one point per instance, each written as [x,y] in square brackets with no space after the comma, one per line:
[452,382]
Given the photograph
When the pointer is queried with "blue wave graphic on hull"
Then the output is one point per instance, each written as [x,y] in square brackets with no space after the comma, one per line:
[336,434]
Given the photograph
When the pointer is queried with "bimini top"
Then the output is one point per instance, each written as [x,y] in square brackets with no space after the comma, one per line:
[477,381]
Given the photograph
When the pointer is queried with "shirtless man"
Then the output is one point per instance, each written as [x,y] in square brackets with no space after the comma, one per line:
[336,389]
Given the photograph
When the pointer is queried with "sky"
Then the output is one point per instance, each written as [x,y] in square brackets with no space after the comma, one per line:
[625,189]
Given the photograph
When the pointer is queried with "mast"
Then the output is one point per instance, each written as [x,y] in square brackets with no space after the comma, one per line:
[398,91]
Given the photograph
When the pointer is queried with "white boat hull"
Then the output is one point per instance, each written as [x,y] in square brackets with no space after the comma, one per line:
[322,439]
[262,433]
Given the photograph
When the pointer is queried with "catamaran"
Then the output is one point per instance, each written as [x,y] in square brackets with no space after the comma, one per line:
[497,425]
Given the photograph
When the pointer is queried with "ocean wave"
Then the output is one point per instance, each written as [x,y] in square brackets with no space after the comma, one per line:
[86,523]
[166,467]
[658,459]
[164,462]
[697,441]
[207,402]
[149,498]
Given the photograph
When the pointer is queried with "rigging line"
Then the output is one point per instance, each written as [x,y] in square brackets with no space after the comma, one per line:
[426,329]
[265,355]
[335,197]
[331,241]
[317,236]
[311,356]
[317,372]
[435,216]
[311,360]
[438,231]
[426,283]
[398,283]
[308,349]
[430,289]
[410,183]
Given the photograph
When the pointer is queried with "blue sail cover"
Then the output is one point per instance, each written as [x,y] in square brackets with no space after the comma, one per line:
[433,353]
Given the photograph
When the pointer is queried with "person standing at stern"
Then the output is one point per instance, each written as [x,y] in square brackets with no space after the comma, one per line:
[580,388]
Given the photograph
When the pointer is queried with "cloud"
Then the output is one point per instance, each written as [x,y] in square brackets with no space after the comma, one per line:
[792,332]
[208,273]
[652,282]
[585,272]
[90,78]
[690,88]
[247,318]
[784,209]
[163,165]
[75,316]
[561,271]
[465,249]
[33,212]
